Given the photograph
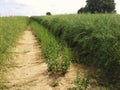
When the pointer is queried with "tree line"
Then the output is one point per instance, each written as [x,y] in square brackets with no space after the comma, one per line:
[98,6]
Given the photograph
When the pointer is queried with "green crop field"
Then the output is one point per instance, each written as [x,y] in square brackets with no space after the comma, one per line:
[10,30]
[93,38]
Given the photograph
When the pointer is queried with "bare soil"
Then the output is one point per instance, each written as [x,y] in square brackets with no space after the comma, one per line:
[30,72]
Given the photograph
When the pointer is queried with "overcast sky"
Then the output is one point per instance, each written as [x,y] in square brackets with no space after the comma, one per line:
[40,7]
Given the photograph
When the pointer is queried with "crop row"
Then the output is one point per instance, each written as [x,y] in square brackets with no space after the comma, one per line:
[94,39]
[10,30]
[57,56]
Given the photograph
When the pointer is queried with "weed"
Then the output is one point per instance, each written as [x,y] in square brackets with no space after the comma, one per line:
[54,84]
[81,82]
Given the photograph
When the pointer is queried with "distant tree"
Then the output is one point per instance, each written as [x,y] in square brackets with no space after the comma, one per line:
[48,13]
[99,6]
[82,10]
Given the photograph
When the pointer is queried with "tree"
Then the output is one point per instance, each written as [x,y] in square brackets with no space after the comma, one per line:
[48,13]
[100,6]
[82,10]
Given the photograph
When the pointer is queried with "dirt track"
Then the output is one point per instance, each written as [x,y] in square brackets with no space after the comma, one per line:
[30,72]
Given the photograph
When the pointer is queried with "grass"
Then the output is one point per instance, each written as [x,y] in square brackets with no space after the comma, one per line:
[81,83]
[94,39]
[57,57]
[10,30]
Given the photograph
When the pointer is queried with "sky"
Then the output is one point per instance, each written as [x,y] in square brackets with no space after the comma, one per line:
[40,7]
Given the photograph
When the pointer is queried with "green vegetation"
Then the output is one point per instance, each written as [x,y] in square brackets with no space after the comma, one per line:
[94,39]
[81,83]
[54,84]
[98,6]
[56,55]
[10,30]
[2,86]
[48,13]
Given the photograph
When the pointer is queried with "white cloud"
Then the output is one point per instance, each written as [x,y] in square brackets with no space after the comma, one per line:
[117,6]
[40,7]
[10,7]
[54,6]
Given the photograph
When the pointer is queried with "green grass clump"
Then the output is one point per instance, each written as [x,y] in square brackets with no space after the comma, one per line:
[10,30]
[56,56]
[81,82]
[94,39]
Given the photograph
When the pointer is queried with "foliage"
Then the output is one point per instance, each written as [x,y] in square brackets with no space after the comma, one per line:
[10,29]
[77,80]
[48,13]
[95,39]
[81,82]
[99,6]
[82,10]
[54,84]
[57,57]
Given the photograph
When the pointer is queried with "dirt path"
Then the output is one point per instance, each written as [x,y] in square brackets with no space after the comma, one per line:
[30,72]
